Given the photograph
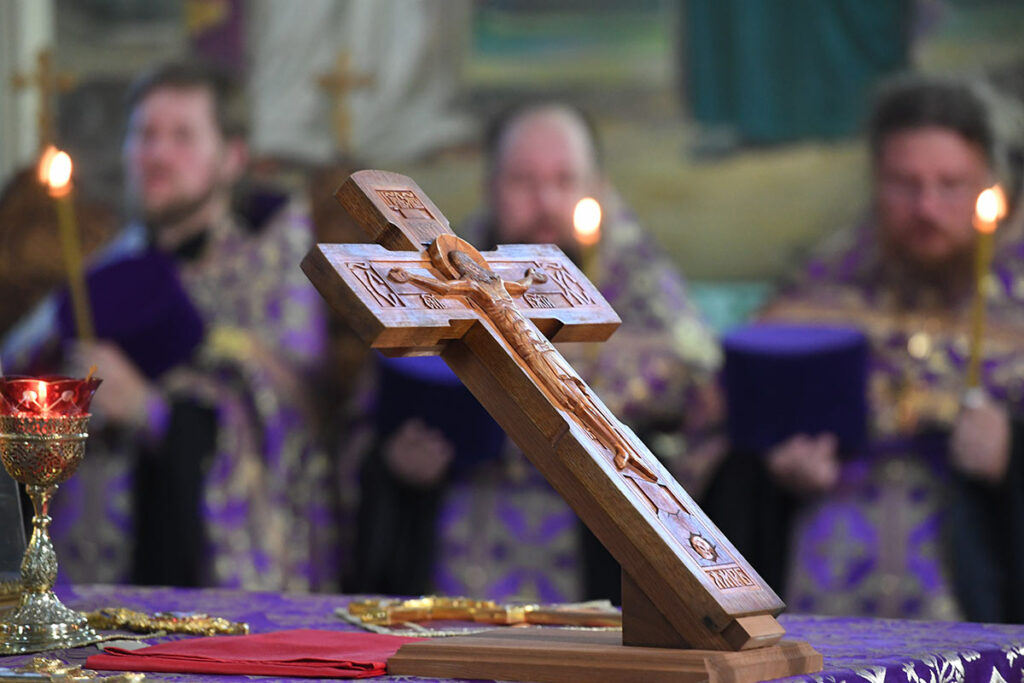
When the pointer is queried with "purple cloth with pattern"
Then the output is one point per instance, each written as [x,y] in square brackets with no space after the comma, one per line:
[855,650]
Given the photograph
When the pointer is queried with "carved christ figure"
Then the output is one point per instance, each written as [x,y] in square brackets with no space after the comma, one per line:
[494,296]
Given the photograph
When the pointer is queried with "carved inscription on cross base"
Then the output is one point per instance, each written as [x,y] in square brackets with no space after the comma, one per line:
[498,312]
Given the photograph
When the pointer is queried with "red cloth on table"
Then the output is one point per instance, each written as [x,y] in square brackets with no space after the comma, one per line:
[301,653]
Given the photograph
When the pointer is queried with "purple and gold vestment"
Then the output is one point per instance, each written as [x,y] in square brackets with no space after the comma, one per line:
[263,493]
[903,534]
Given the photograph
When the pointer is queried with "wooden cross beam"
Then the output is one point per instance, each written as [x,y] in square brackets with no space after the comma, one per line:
[338,82]
[422,290]
[48,83]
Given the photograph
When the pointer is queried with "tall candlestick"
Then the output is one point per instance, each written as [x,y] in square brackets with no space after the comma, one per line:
[587,223]
[55,170]
[990,208]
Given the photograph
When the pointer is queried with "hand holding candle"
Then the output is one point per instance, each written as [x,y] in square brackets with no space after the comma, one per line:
[127,392]
[991,207]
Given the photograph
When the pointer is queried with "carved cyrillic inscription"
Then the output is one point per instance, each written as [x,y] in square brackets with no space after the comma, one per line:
[405,203]
[376,285]
[431,301]
[726,578]
[537,300]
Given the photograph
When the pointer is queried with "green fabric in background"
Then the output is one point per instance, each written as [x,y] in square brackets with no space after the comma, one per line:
[783,70]
[728,304]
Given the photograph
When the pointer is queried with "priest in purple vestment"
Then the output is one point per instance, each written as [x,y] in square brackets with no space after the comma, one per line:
[926,520]
[203,467]
[488,525]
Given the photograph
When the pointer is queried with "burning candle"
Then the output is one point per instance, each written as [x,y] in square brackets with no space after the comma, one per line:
[991,207]
[586,219]
[55,172]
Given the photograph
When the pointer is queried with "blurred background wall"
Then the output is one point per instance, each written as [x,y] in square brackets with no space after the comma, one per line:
[731,126]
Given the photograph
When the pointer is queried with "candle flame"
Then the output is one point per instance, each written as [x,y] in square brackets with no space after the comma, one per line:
[586,219]
[45,161]
[42,394]
[55,171]
[990,208]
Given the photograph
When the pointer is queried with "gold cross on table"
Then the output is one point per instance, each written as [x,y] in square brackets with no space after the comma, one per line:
[48,82]
[338,83]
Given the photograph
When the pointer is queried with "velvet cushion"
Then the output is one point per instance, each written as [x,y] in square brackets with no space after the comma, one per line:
[139,304]
[781,380]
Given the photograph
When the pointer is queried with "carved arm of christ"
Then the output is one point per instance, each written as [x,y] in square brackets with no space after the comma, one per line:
[490,316]
[493,296]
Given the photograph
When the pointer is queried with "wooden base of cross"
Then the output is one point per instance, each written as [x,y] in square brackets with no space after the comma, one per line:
[569,656]
[421,290]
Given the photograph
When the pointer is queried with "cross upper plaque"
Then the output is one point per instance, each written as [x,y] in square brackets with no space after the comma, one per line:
[492,317]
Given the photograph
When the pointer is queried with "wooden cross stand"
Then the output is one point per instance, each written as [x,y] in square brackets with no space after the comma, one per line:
[685,589]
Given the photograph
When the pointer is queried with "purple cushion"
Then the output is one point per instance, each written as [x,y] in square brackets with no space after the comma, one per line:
[139,304]
[781,380]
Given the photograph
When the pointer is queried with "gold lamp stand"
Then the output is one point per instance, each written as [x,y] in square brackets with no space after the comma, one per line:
[42,451]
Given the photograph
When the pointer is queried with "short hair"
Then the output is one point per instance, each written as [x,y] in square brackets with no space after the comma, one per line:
[231,109]
[908,104]
[508,117]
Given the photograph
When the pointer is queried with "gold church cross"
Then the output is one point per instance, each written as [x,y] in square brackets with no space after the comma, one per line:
[338,83]
[48,83]
[492,317]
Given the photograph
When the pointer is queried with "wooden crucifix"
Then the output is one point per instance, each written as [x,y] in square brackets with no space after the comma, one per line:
[493,317]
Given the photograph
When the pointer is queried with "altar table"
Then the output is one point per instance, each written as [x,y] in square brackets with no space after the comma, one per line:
[855,650]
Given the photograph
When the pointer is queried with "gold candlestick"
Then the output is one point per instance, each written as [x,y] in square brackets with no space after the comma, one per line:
[55,171]
[991,206]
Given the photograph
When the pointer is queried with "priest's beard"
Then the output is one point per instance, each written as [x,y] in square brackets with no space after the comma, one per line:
[551,230]
[178,212]
[949,278]
[544,230]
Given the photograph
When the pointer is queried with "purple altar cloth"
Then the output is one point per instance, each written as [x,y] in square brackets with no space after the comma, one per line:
[855,650]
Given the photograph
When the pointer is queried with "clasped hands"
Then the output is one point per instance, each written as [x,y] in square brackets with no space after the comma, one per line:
[417,454]
[979,448]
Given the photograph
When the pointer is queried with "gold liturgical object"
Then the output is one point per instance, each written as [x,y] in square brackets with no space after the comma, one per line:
[42,450]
